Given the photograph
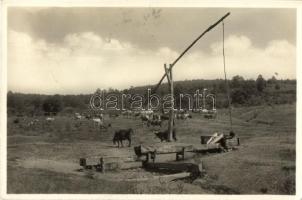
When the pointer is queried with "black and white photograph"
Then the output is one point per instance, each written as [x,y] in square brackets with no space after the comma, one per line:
[143,100]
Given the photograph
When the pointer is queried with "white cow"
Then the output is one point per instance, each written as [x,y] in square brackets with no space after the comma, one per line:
[183,116]
[98,122]
[50,119]
[78,116]
[33,122]
[127,113]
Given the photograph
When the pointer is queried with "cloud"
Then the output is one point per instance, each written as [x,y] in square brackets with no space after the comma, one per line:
[242,58]
[153,28]
[85,61]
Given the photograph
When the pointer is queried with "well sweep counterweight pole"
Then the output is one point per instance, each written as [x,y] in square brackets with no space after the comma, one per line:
[187,49]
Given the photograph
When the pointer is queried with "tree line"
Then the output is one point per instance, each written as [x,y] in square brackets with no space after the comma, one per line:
[242,92]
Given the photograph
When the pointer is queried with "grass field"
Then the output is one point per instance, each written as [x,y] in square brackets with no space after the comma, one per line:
[41,157]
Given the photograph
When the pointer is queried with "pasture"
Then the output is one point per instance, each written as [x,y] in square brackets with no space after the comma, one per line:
[44,157]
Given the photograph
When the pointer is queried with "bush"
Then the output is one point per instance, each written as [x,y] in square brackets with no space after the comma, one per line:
[239,96]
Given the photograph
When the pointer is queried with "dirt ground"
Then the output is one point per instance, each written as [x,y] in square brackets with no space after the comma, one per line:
[44,158]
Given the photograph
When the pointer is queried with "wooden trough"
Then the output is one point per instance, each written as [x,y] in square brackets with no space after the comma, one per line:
[209,144]
[103,164]
[150,152]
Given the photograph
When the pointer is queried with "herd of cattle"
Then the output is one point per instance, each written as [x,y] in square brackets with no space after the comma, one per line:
[147,117]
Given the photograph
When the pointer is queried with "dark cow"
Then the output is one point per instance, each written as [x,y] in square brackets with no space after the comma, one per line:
[165,117]
[145,118]
[123,134]
[210,116]
[136,115]
[154,123]
[164,135]
[105,126]
[88,116]
[113,115]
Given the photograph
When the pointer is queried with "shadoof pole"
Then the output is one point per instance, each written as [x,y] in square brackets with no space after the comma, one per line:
[171,118]
[168,74]
[187,49]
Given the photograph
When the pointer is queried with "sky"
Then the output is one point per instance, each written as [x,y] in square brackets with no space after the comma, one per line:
[76,50]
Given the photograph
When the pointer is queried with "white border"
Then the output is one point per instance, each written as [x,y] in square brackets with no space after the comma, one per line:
[144,3]
[299,106]
[157,3]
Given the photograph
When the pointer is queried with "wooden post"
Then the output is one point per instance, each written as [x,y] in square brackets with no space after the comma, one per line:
[83,162]
[168,74]
[171,120]
[102,163]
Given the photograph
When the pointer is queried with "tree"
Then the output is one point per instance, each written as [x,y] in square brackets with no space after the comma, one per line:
[260,83]
[37,103]
[277,87]
[15,101]
[52,104]
[272,80]
[237,81]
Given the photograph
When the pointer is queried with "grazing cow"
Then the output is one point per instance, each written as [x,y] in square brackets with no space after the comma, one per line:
[195,110]
[105,126]
[146,112]
[187,115]
[136,114]
[145,118]
[113,115]
[127,113]
[156,117]
[97,120]
[33,122]
[50,119]
[154,123]
[123,134]
[100,123]
[101,116]
[164,135]
[88,116]
[165,117]
[78,116]
[183,116]
[30,124]
[209,116]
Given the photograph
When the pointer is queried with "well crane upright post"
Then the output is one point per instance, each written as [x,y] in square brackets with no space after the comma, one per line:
[168,74]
